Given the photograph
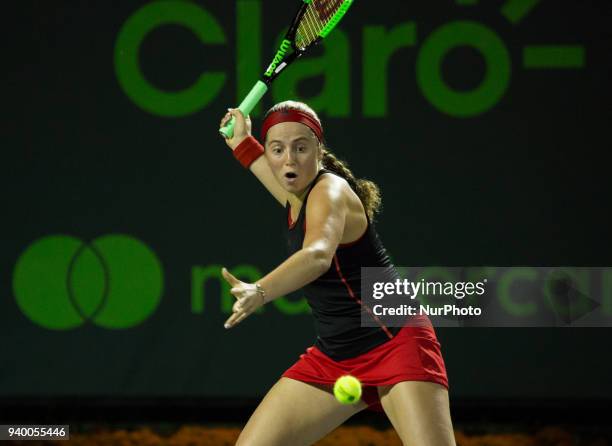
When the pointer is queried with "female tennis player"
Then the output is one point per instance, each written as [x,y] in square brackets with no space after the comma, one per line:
[331,236]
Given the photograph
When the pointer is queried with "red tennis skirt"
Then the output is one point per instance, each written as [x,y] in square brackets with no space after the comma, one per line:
[412,355]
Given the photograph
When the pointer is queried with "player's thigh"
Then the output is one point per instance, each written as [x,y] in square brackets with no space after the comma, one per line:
[419,412]
[295,413]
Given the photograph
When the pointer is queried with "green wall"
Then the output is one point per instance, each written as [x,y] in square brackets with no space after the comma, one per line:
[486,125]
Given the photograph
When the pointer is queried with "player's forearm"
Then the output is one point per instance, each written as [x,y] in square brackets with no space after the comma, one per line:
[298,270]
[262,171]
[250,154]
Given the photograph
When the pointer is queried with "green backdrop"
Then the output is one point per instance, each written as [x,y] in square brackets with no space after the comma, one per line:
[486,125]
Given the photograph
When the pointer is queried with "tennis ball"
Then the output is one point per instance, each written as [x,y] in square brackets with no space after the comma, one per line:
[347,389]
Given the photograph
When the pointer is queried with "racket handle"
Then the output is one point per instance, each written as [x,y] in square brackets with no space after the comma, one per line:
[246,106]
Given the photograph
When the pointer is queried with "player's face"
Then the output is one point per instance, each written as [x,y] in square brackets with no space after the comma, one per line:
[293,153]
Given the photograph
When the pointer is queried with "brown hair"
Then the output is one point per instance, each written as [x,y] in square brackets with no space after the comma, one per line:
[367,191]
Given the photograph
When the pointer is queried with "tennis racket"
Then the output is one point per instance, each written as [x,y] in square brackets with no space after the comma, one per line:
[313,22]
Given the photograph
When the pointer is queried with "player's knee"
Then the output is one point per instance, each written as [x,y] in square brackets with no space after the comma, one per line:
[248,438]
[253,442]
[243,440]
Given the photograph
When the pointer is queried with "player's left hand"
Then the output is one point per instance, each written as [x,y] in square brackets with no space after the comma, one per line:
[248,299]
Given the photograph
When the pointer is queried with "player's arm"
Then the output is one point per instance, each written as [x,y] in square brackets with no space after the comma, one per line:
[326,213]
[260,167]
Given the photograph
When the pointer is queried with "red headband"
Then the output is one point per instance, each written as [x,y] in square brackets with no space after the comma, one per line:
[291,116]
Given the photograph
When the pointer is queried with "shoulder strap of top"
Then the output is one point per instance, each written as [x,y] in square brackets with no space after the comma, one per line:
[312,184]
[303,208]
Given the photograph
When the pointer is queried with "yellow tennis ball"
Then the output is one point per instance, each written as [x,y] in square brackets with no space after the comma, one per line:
[347,389]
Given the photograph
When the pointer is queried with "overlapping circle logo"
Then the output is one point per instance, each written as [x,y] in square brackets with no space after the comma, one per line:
[61,282]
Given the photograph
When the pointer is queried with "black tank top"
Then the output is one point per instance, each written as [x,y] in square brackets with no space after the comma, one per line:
[335,297]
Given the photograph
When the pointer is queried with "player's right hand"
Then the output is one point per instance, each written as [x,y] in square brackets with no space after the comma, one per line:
[248,299]
[242,127]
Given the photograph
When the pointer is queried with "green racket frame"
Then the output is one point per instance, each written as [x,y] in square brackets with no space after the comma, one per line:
[282,60]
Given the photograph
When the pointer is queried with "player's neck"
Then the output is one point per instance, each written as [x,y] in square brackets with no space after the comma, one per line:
[296,200]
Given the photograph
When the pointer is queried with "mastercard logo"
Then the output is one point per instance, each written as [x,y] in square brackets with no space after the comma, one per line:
[115,282]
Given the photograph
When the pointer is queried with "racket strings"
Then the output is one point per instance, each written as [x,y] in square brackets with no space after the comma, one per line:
[308,30]
[305,32]
[326,9]
[318,14]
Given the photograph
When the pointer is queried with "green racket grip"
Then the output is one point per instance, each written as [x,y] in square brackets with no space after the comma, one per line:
[246,106]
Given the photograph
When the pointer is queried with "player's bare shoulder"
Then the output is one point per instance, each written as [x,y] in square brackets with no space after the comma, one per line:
[338,191]
[341,196]
[332,188]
